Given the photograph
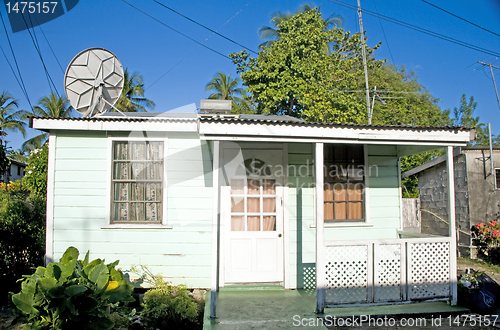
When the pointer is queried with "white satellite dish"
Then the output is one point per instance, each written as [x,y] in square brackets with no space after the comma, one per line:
[93,81]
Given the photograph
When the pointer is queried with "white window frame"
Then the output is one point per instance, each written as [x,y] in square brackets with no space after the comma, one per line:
[109,174]
[366,222]
[495,182]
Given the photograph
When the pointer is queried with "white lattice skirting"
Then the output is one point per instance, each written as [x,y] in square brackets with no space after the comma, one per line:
[387,271]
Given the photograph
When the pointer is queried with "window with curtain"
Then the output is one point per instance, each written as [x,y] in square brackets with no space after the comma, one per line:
[344,182]
[137,182]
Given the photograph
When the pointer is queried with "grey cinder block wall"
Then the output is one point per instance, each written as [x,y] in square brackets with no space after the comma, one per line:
[476,197]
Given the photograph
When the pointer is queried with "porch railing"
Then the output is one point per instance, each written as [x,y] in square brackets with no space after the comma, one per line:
[387,271]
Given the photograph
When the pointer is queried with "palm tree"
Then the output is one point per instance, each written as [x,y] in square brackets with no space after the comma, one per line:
[11,119]
[226,89]
[132,98]
[50,106]
[273,33]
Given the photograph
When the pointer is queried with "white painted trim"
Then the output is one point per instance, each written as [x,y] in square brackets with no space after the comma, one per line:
[49,229]
[345,224]
[215,130]
[400,195]
[109,175]
[286,221]
[404,286]
[451,221]
[320,246]
[215,228]
[369,272]
[137,226]
[286,236]
[367,185]
[151,124]
[390,241]
[432,144]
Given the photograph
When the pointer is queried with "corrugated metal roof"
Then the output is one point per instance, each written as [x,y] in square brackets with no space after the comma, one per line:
[244,119]
[287,120]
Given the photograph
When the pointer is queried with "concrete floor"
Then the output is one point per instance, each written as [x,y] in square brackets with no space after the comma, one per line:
[266,307]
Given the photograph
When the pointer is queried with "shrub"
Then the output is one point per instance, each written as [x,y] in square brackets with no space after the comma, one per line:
[167,305]
[22,235]
[487,238]
[36,171]
[72,294]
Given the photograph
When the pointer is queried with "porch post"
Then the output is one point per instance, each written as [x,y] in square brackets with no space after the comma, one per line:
[215,230]
[451,220]
[320,245]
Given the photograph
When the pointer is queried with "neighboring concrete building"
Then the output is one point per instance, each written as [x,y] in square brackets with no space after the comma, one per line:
[477,193]
[15,171]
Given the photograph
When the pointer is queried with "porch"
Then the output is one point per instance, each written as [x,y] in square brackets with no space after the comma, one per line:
[357,261]
[266,307]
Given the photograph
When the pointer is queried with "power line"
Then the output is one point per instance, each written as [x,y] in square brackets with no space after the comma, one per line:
[419,29]
[11,68]
[463,19]
[203,26]
[25,92]
[53,53]
[187,55]
[47,74]
[383,31]
[171,28]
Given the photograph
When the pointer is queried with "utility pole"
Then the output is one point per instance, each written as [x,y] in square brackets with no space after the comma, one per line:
[364,64]
[493,77]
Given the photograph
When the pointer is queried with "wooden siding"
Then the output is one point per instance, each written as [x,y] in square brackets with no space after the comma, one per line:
[384,211]
[181,254]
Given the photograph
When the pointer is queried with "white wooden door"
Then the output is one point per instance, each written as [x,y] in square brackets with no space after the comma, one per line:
[253,218]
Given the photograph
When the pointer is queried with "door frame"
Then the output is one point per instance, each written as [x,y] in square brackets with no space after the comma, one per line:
[224,216]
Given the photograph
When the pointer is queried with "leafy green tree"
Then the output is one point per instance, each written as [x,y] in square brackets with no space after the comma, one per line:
[401,100]
[273,33]
[132,98]
[464,116]
[18,155]
[294,76]
[22,235]
[226,88]
[10,118]
[4,163]
[36,172]
[51,106]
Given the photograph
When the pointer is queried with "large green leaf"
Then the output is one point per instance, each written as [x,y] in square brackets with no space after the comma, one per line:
[24,302]
[75,290]
[70,254]
[47,283]
[99,275]
[68,263]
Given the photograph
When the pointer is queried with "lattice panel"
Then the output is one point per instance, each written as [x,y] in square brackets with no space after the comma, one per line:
[429,274]
[388,272]
[309,273]
[346,274]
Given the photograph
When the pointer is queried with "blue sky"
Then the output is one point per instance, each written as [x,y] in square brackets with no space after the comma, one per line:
[176,69]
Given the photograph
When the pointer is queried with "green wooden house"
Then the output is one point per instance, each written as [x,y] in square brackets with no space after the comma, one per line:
[211,200]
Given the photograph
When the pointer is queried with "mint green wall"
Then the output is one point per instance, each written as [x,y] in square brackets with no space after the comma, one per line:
[182,254]
[384,213]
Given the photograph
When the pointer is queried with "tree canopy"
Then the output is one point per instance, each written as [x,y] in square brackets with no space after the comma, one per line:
[51,106]
[10,118]
[294,76]
[132,98]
